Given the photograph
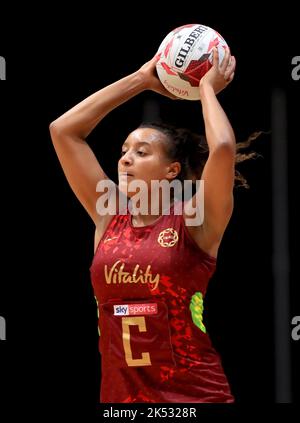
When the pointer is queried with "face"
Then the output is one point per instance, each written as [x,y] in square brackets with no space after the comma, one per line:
[143,158]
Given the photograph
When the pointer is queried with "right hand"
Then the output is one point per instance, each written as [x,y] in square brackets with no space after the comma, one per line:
[219,75]
[150,79]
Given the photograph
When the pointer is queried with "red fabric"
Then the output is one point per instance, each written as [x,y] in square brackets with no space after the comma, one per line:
[151,349]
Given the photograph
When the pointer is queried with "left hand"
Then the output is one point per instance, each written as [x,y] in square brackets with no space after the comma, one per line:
[220,75]
[150,78]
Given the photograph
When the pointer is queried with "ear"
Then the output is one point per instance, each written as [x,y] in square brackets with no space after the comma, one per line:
[173,170]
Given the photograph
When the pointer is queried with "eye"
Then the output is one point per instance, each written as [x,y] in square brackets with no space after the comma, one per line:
[123,152]
[141,153]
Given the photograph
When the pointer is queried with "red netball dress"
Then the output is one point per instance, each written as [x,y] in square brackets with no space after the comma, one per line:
[150,283]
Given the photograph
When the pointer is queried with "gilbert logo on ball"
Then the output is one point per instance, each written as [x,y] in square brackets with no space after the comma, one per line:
[185,56]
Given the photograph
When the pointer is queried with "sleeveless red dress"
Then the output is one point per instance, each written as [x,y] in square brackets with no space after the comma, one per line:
[149,283]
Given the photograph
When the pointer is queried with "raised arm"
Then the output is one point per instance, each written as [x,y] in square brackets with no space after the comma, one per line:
[218,172]
[69,133]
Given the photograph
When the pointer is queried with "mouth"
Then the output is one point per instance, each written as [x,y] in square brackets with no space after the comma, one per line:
[125,174]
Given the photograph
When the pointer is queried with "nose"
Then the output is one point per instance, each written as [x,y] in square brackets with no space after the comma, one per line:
[126,159]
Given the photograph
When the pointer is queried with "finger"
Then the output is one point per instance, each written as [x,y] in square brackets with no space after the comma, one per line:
[230,68]
[225,61]
[167,94]
[156,57]
[160,89]
[232,63]
[215,57]
[230,78]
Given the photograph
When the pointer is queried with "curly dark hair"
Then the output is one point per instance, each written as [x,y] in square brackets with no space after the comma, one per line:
[191,151]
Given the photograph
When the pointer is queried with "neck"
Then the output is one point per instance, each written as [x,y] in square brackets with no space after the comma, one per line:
[147,219]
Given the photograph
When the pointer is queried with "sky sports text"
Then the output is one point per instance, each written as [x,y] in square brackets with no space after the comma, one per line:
[135,309]
[146,201]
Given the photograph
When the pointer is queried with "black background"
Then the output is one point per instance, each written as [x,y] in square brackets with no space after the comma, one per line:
[56,59]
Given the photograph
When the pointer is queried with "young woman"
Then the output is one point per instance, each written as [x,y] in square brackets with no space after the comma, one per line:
[150,270]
